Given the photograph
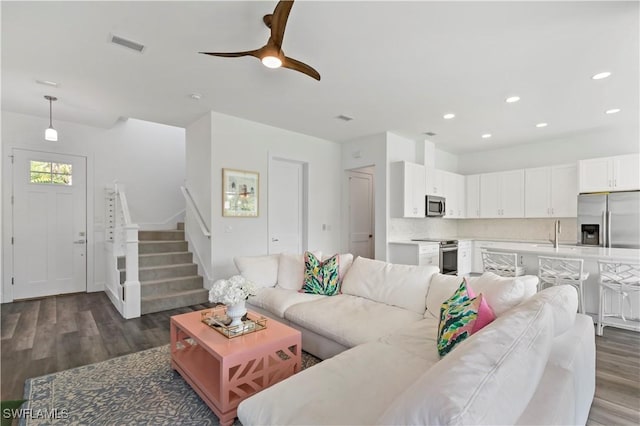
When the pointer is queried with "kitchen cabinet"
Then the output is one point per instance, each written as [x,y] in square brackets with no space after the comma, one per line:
[465,254]
[454,192]
[551,191]
[423,253]
[502,194]
[408,193]
[472,192]
[434,181]
[619,173]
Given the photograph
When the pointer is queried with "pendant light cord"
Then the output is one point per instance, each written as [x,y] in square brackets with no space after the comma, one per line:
[50,113]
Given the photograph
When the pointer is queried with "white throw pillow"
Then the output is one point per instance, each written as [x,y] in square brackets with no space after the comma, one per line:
[345,260]
[404,286]
[440,289]
[291,270]
[262,270]
[501,293]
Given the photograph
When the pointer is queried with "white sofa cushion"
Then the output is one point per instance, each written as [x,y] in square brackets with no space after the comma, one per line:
[350,320]
[277,300]
[261,270]
[291,270]
[352,388]
[345,260]
[441,288]
[404,286]
[418,339]
[487,379]
[564,301]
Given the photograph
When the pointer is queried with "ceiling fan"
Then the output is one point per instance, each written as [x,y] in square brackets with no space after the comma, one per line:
[271,54]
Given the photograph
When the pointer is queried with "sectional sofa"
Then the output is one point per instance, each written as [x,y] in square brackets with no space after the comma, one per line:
[535,364]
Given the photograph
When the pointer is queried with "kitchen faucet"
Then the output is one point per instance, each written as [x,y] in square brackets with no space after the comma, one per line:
[556,234]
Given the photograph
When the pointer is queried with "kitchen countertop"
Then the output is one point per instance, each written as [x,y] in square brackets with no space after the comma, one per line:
[544,248]
[580,252]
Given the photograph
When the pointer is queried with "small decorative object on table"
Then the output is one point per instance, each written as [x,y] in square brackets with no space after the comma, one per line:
[233,293]
[218,319]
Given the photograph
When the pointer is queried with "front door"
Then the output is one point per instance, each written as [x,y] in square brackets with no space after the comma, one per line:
[49,224]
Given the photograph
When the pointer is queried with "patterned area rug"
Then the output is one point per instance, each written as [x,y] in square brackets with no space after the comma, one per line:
[140,388]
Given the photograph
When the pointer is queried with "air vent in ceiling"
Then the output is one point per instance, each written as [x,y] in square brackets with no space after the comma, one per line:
[127,43]
[429,133]
[344,117]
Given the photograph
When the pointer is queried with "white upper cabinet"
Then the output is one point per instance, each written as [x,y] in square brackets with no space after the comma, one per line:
[626,172]
[407,189]
[620,173]
[434,181]
[551,191]
[472,190]
[564,191]
[454,194]
[502,194]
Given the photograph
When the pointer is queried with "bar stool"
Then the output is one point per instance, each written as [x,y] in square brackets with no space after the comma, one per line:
[620,278]
[503,264]
[559,271]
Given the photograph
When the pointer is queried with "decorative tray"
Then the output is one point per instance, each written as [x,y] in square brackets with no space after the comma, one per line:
[218,319]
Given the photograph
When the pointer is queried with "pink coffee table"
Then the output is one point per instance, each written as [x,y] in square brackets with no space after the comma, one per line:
[226,371]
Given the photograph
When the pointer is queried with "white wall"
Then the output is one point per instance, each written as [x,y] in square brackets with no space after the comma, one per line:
[247,145]
[198,182]
[596,143]
[148,158]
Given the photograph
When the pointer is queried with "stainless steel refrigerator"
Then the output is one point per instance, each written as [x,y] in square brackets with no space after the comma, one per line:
[609,219]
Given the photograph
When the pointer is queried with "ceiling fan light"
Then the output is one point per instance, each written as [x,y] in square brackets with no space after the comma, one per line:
[51,135]
[271,62]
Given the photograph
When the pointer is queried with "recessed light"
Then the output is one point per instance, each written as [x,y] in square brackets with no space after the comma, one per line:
[612,111]
[195,96]
[601,75]
[512,99]
[486,136]
[541,125]
[448,116]
[47,83]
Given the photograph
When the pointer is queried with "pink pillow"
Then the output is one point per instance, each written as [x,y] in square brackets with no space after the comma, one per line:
[485,313]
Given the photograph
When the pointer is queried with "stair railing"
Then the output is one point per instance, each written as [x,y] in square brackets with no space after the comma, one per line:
[196,213]
[198,236]
[122,233]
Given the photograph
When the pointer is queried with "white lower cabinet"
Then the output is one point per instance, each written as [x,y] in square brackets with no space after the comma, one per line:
[414,254]
[465,255]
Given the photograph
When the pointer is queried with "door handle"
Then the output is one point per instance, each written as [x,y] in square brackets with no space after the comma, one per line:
[79,242]
[370,235]
[274,240]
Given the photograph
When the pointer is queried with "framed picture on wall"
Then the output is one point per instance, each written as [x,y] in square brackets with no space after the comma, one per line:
[239,193]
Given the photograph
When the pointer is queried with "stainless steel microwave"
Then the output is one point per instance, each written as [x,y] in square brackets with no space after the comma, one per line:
[436,206]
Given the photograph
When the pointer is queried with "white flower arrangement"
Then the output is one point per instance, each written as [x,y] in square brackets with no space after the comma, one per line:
[231,291]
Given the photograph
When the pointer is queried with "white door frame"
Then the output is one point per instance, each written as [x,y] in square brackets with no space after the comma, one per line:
[370,171]
[305,197]
[7,207]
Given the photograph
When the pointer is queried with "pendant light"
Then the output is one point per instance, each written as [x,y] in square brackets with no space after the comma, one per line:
[51,134]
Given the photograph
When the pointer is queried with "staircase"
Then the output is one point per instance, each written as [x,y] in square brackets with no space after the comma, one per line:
[168,277]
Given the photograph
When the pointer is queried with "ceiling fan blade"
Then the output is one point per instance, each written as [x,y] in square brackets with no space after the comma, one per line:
[295,65]
[233,54]
[279,20]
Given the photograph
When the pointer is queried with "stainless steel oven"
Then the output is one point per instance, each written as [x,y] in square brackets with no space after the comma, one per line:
[448,255]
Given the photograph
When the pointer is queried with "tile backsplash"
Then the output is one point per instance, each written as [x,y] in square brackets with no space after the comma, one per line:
[510,229]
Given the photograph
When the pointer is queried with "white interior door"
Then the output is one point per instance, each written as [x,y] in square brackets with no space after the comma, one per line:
[286,206]
[361,215]
[49,224]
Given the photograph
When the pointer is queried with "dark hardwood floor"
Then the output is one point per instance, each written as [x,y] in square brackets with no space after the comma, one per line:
[57,333]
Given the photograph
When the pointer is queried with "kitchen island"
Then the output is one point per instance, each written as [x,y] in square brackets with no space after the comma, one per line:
[528,257]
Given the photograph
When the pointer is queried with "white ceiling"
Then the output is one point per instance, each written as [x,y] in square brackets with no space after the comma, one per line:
[396,66]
